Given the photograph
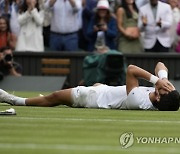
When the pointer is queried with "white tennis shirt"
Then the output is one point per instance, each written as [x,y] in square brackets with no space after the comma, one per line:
[108,97]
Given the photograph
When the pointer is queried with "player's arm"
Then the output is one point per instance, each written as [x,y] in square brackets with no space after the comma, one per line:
[134,73]
[162,72]
[132,76]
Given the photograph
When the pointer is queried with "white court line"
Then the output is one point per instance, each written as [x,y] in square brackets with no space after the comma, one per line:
[58,147]
[98,120]
[134,148]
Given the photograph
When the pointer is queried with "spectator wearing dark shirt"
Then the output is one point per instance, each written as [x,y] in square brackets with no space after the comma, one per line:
[87,14]
[7,65]
[102,25]
[5,8]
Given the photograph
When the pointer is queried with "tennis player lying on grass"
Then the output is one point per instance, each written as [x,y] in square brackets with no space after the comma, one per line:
[163,97]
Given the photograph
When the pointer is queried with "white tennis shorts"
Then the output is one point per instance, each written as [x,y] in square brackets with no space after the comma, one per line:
[84,97]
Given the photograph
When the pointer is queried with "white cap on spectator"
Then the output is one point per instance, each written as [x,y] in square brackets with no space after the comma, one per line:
[103,4]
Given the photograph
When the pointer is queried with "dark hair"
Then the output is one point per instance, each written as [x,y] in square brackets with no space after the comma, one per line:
[24,6]
[8,30]
[97,17]
[7,22]
[127,10]
[168,102]
[5,48]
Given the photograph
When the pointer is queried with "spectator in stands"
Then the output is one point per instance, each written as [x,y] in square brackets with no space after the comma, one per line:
[46,23]
[82,40]
[117,4]
[87,14]
[127,17]
[7,65]
[177,47]
[6,37]
[14,24]
[5,8]
[9,9]
[114,4]
[179,4]
[165,1]
[64,24]
[155,20]
[176,19]
[102,26]
[140,3]
[31,20]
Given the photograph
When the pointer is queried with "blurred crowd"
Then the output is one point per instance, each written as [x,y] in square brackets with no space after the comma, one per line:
[129,26]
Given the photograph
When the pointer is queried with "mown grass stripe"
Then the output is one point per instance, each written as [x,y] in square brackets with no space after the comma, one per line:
[96,120]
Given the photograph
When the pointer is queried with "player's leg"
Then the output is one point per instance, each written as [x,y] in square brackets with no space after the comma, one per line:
[62,97]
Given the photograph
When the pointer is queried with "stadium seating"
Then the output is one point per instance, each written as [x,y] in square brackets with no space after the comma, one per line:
[52,66]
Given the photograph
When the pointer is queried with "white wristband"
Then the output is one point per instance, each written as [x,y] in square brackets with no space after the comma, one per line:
[153,79]
[162,74]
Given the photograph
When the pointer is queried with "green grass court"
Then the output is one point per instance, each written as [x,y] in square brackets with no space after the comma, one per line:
[64,130]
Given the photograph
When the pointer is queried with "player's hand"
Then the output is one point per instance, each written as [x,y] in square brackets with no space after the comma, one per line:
[165,85]
[169,83]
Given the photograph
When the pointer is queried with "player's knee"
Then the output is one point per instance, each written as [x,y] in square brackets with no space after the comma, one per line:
[53,97]
[56,95]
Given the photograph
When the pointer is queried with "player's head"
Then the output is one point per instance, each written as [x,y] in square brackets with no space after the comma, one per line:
[168,102]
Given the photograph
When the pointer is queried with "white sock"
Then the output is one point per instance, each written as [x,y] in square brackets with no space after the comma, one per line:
[19,101]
